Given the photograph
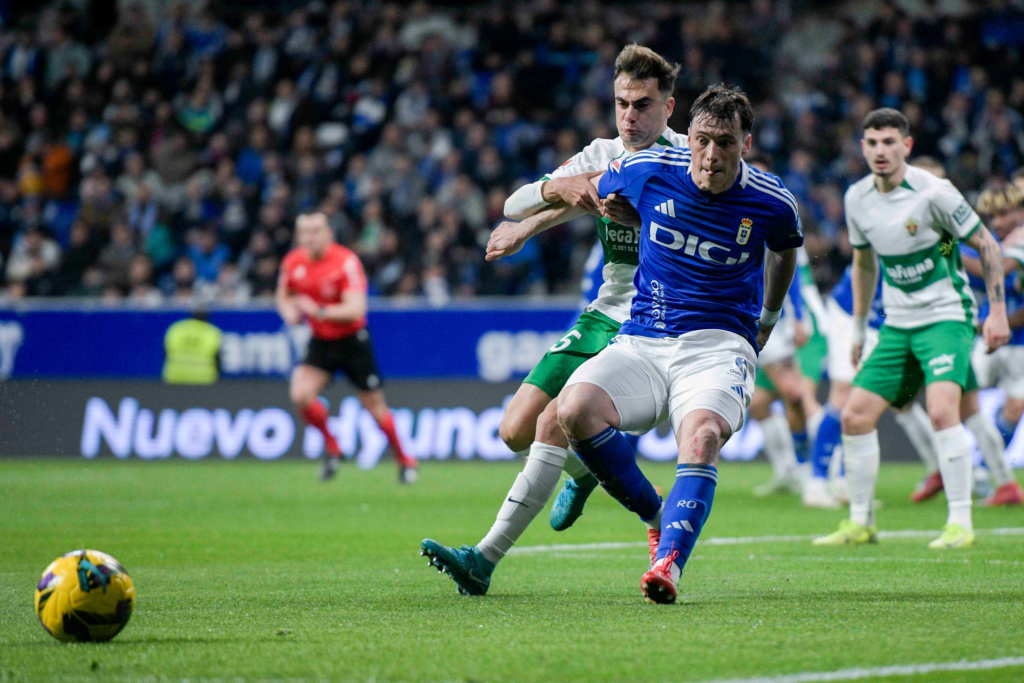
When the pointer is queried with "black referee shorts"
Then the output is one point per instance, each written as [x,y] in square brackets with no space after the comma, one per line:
[352,356]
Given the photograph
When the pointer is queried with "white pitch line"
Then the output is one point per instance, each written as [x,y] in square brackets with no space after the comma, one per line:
[744,540]
[882,671]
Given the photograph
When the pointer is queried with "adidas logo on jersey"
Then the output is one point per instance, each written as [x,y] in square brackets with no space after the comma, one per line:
[668,208]
[693,246]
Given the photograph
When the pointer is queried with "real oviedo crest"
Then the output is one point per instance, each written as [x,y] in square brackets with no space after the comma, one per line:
[743,234]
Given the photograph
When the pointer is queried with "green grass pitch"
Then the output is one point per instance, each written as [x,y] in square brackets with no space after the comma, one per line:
[258,571]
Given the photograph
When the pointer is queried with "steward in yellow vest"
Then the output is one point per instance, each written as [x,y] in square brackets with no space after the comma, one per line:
[193,347]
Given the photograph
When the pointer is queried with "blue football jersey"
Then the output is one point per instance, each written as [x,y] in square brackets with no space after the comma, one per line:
[701,254]
[843,294]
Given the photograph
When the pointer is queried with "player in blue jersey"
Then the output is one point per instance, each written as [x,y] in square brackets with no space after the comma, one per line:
[1004,208]
[712,229]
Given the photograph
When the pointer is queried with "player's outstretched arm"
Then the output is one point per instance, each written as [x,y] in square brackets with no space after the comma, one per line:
[509,237]
[996,330]
[779,268]
[574,190]
[864,280]
[286,307]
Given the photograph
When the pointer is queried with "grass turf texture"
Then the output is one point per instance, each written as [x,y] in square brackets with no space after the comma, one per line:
[256,570]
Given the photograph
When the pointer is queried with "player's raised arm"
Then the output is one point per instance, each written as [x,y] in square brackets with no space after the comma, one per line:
[864,281]
[996,330]
[779,268]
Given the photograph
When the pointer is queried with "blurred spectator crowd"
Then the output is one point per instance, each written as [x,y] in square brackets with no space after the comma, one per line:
[165,155]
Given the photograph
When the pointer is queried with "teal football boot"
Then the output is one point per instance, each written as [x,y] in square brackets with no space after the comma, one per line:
[467,566]
[569,502]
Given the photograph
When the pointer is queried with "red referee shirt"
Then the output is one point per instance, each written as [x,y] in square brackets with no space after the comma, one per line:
[325,281]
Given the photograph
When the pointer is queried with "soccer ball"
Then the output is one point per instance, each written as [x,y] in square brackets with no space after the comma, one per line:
[84,595]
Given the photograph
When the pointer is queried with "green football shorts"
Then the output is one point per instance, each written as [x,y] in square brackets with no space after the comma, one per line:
[811,356]
[905,360]
[587,338]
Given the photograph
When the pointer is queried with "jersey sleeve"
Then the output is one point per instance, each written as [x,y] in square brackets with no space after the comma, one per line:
[355,276]
[951,211]
[856,235]
[626,179]
[283,278]
[1016,252]
[787,233]
[588,160]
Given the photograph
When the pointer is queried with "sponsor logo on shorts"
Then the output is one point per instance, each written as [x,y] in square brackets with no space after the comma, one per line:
[942,364]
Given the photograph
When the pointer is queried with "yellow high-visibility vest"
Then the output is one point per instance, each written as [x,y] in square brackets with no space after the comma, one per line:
[192,347]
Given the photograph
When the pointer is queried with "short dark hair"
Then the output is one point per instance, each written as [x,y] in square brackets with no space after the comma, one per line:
[724,103]
[887,118]
[640,63]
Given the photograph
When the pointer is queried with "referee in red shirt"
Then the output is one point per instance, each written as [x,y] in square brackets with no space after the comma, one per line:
[324,283]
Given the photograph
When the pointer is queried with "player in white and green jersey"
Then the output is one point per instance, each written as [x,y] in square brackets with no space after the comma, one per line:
[911,220]
[644,82]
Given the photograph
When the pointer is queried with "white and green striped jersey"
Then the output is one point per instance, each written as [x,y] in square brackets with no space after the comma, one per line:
[621,244]
[910,229]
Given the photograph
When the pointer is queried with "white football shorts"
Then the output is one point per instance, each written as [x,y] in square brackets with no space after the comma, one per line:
[839,332]
[781,345]
[1003,369]
[651,379]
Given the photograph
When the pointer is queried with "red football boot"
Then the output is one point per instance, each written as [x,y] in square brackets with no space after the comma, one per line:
[1007,494]
[928,488]
[653,539]
[658,585]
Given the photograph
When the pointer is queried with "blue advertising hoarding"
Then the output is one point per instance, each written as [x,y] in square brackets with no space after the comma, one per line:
[492,342]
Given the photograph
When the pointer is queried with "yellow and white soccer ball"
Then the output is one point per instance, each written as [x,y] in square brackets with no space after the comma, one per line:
[84,595]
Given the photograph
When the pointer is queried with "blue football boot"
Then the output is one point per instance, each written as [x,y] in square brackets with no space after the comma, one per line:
[569,502]
[467,566]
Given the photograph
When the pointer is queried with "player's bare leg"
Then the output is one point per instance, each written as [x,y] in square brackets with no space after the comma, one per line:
[993,451]
[700,437]
[471,566]
[519,423]
[304,388]
[373,401]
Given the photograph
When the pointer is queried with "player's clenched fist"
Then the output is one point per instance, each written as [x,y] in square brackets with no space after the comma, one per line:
[577,191]
[996,332]
[506,239]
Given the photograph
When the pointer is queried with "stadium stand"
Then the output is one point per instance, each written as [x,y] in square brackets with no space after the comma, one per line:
[156,161]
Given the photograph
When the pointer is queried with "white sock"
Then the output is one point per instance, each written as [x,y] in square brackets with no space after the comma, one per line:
[527,497]
[778,445]
[862,456]
[918,427]
[574,467]
[813,422]
[990,443]
[655,523]
[954,451]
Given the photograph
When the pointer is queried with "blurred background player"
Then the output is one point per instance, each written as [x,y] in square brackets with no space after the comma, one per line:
[909,217]
[323,283]
[779,377]
[643,87]
[1002,208]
